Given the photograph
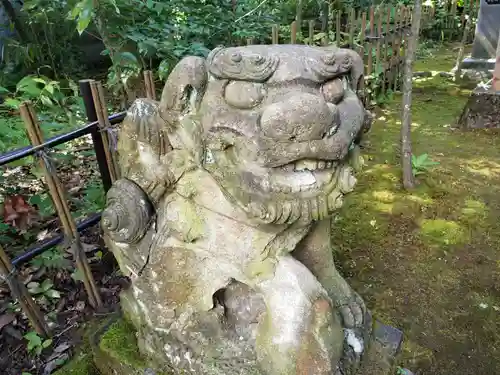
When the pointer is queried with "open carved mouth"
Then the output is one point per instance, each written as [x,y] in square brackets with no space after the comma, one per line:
[305,175]
[309,165]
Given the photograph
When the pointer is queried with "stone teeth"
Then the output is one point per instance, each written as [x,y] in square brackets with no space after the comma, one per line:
[306,164]
[312,165]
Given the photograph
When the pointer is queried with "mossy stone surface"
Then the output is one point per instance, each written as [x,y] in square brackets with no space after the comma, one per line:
[81,364]
[118,352]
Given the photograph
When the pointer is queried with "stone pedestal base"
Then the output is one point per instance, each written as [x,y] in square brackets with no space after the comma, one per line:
[381,355]
[481,111]
[478,64]
[113,350]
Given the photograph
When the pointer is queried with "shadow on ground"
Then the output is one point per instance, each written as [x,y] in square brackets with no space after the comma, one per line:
[428,262]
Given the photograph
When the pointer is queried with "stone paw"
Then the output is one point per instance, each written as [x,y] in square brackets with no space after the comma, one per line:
[352,309]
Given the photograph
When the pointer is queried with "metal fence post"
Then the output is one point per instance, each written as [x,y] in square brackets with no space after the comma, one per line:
[100,154]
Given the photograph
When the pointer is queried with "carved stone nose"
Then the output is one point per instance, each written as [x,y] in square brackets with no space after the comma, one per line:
[300,117]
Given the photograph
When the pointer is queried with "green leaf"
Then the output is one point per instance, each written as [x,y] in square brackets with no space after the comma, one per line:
[34,288]
[77,275]
[46,101]
[163,69]
[33,339]
[50,88]
[82,12]
[47,343]
[127,57]
[3,90]
[52,293]
[32,285]
[12,103]
[47,284]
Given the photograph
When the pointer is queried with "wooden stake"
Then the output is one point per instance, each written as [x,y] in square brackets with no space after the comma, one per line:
[363,37]
[59,198]
[352,16]
[370,43]
[293,34]
[275,36]
[298,15]
[311,32]
[149,85]
[379,36]
[104,125]
[338,25]
[397,47]
[19,292]
[326,38]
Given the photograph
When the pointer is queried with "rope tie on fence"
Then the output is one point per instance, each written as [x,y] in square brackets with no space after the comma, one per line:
[9,276]
[48,161]
[105,128]
[112,137]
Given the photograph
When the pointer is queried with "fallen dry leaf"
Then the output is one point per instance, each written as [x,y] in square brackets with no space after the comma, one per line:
[18,213]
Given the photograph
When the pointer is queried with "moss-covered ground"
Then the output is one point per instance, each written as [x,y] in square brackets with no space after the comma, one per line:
[428,261]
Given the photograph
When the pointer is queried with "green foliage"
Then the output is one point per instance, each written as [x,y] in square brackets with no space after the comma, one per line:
[59,109]
[140,34]
[52,258]
[43,289]
[421,164]
[36,344]
[51,45]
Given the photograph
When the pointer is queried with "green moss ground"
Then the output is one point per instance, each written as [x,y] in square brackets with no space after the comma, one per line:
[81,364]
[428,261]
[120,342]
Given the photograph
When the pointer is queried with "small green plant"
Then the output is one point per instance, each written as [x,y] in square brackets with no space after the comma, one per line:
[52,258]
[36,344]
[44,289]
[421,164]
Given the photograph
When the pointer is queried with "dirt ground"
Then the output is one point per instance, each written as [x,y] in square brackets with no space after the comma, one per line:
[428,261]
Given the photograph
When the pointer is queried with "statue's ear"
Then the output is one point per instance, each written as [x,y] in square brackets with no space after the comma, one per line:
[357,70]
[184,88]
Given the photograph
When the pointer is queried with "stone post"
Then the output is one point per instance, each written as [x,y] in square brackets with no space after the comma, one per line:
[485,37]
[496,73]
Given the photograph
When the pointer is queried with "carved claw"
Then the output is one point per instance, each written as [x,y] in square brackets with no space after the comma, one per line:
[352,310]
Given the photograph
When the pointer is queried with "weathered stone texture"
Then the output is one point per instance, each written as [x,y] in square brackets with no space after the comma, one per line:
[222,218]
[481,111]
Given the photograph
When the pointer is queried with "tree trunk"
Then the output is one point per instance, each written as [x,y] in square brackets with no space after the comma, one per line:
[11,12]
[406,153]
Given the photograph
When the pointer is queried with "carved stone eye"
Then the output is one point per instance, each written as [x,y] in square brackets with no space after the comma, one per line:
[244,95]
[329,59]
[258,59]
[128,212]
[236,57]
[333,91]
[346,63]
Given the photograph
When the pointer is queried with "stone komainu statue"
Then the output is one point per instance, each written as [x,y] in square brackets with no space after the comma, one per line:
[221,215]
